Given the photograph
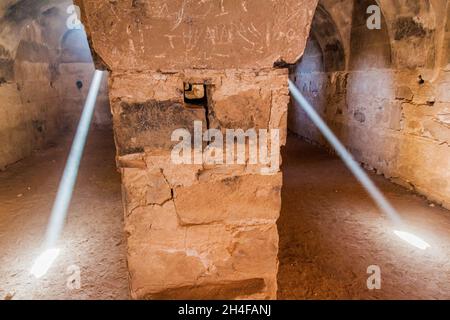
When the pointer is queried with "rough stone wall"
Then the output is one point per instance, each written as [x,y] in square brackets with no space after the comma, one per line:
[75,71]
[29,99]
[309,76]
[73,98]
[40,65]
[403,132]
[391,120]
[198,231]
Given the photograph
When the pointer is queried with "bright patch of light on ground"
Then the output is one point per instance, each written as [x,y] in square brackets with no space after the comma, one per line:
[44,262]
[412,239]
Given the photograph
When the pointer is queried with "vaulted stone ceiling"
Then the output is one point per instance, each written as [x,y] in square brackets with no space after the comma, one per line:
[18,18]
[415,28]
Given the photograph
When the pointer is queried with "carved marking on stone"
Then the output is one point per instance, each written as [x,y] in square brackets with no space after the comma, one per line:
[163,11]
[222,9]
[171,37]
[191,38]
[244,5]
[240,30]
[180,16]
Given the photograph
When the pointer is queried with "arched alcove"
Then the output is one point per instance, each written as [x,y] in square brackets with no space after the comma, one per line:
[326,33]
[411,26]
[318,74]
[75,47]
[30,34]
[369,48]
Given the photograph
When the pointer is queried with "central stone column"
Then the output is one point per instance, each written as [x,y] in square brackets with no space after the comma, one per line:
[199,230]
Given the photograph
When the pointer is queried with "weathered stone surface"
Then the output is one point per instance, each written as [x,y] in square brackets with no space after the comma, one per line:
[135,160]
[395,116]
[201,230]
[404,93]
[183,175]
[239,99]
[151,124]
[143,188]
[237,200]
[207,34]
[168,261]
[242,110]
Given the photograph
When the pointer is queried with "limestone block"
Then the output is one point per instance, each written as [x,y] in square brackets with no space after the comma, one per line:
[152,123]
[404,93]
[279,112]
[436,130]
[135,160]
[152,85]
[176,175]
[237,200]
[443,117]
[144,187]
[214,261]
[244,109]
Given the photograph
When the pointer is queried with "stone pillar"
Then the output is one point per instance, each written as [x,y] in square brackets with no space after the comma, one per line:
[200,230]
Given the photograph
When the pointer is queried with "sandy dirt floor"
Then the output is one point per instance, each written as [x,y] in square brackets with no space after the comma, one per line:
[93,239]
[330,232]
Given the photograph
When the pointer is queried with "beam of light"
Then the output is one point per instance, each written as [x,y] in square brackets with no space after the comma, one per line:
[67,183]
[354,167]
[357,171]
[44,262]
[412,239]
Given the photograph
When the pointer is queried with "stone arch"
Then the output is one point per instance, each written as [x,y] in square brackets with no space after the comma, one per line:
[312,59]
[411,26]
[325,32]
[31,44]
[369,49]
[319,74]
[75,47]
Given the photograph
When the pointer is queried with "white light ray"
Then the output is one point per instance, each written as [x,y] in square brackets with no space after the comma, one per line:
[67,184]
[357,171]
[44,262]
[354,167]
[412,239]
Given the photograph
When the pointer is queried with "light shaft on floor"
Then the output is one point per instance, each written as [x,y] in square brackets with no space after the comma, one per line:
[67,183]
[348,159]
[356,169]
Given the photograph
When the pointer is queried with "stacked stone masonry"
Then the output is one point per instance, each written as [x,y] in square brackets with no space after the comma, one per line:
[198,231]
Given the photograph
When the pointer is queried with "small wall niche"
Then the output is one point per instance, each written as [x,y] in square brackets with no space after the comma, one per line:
[195,95]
